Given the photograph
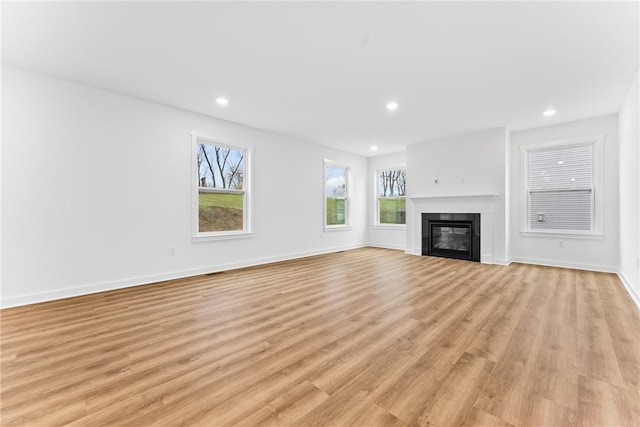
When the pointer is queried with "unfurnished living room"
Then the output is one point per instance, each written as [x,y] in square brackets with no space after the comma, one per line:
[320,214]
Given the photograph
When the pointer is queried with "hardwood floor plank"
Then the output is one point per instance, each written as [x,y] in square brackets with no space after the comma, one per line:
[557,376]
[426,373]
[288,408]
[543,412]
[604,404]
[624,339]
[345,409]
[596,355]
[458,391]
[506,393]
[491,342]
[363,337]
[477,417]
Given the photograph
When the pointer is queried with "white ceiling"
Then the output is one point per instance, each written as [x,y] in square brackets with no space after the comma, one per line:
[323,72]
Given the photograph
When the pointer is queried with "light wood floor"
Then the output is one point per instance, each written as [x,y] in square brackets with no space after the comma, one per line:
[365,337]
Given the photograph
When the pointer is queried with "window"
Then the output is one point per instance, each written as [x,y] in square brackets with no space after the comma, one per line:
[390,193]
[562,184]
[221,202]
[336,192]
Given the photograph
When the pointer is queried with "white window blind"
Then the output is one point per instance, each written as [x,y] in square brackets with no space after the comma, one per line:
[561,188]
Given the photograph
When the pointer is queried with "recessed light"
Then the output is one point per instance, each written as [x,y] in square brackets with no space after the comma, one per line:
[222,101]
[549,113]
[560,162]
[374,148]
[572,180]
[392,106]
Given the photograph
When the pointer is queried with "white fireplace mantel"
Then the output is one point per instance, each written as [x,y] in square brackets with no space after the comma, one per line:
[453,196]
[462,203]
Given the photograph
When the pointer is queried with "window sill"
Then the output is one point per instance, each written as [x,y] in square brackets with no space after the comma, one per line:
[338,228]
[225,236]
[563,235]
[390,226]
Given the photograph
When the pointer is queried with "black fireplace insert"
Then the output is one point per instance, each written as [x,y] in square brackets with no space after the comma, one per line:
[451,235]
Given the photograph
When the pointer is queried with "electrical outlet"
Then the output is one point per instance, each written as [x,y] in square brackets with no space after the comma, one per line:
[172,251]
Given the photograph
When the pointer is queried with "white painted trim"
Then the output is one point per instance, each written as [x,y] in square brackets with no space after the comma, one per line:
[203,237]
[386,246]
[450,196]
[332,228]
[632,293]
[397,227]
[573,265]
[147,280]
[561,235]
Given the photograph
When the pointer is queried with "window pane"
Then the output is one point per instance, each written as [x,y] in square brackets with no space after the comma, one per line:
[336,211]
[221,198]
[335,191]
[561,188]
[336,182]
[392,211]
[561,168]
[561,210]
[391,192]
[220,167]
[220,211]
[392,183]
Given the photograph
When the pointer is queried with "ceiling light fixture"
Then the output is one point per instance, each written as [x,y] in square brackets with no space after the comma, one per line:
[374,148]
[549,113]
[222,101]
[560,162]
[392,106]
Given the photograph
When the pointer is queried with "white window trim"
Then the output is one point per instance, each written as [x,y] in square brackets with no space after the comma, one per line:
[597,231]
[247,211]
[347,197]
[376,199]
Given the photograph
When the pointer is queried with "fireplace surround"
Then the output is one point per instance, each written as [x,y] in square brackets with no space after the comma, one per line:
[451,235]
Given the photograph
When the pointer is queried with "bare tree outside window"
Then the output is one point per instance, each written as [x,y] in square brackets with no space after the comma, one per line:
[391,196]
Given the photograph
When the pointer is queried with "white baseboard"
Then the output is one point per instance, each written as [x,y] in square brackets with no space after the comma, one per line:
[145,280]
[502,261]
[632,292]
[386,246]
[484,259]
[563,264]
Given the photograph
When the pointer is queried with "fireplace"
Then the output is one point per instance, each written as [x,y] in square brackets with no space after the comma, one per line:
[451,235]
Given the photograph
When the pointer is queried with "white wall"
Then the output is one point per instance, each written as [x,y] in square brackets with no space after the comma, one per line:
[464,167]
[96,188]
[630,192]
[590,254]
[392,237]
